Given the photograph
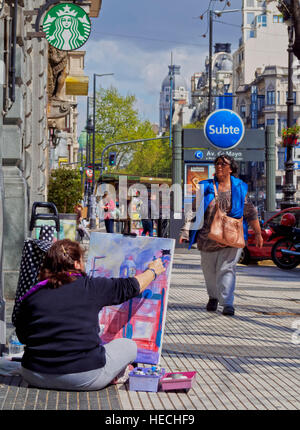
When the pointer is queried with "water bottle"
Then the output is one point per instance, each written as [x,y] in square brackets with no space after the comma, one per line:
[127,268]
[14,345]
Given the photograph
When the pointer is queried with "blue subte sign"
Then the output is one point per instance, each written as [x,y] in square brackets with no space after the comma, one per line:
[224,129]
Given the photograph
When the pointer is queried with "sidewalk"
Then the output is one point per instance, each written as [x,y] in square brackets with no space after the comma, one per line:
[244,362]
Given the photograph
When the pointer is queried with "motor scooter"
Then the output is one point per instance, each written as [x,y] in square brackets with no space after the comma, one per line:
[286,251]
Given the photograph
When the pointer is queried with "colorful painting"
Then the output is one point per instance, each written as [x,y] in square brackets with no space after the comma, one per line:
[142,318]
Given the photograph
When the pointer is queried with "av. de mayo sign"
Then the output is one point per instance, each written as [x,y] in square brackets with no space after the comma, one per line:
[224,129]
[67,26]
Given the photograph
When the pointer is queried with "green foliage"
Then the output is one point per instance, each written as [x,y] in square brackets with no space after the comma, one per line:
[117,120]
[152,159]
[64,189]
[197,124]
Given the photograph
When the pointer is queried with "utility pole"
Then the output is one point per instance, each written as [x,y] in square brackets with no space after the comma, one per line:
[93,197]
[210,62]
[289,189]
[171,100]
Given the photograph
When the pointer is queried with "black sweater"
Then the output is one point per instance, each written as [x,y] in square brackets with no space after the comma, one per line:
[59,327]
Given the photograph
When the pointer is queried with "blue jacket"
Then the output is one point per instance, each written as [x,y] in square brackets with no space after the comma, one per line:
[238,193]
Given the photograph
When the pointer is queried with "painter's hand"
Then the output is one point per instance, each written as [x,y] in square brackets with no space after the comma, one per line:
[157,266]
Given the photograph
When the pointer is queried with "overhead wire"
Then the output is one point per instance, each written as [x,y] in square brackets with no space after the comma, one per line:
[148,38]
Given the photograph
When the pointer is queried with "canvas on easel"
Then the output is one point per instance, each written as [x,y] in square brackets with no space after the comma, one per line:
[142,318]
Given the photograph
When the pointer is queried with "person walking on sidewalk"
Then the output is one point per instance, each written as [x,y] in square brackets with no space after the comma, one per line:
[81,222]
[57,321]
[219,262]
[108,206]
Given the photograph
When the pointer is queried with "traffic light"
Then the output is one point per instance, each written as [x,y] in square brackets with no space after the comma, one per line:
[112,158]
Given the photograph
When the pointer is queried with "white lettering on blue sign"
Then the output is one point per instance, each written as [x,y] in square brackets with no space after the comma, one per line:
[224,129]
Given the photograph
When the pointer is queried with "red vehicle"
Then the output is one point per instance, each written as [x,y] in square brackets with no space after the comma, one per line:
[252,252]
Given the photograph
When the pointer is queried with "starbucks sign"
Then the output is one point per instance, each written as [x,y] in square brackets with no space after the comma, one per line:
[67,26]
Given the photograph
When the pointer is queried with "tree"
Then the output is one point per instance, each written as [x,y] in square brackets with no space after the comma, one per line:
[153,158]
[197,124]
[117,120]
[64,189]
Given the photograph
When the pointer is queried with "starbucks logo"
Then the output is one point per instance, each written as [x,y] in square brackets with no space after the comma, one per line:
[67,26]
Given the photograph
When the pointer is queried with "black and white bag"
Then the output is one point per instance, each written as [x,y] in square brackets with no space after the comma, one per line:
[34,251]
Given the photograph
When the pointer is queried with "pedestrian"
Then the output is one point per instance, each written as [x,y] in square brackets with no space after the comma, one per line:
[147,222]
[148,210]
[58,323]
[81,222]
[108,206]
[218,262]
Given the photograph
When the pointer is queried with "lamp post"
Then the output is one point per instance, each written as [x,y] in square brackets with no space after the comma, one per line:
[93,198]
[87,189]
[289,189]
[211,14]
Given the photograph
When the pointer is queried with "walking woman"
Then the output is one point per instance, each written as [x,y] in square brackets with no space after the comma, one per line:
[218,262]
[58,323]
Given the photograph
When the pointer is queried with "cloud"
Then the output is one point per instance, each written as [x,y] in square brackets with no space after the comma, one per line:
[137,71]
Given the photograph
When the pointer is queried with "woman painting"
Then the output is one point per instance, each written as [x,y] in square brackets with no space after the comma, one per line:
[57,322]
[218,262]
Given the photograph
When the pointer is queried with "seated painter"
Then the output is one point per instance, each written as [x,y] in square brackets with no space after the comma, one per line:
[58,323]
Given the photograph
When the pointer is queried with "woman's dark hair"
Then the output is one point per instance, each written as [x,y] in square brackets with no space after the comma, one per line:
[59,263]
[233,163]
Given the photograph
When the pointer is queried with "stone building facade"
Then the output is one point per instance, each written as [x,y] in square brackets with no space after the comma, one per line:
[25,129]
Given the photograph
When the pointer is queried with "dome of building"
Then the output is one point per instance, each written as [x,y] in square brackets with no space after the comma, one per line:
[226,65]
[178,80]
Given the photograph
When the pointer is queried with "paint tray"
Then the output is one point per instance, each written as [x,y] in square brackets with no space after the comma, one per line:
[142,379]
[183,381]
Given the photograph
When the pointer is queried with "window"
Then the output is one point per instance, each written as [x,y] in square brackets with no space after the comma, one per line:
[270,97]
[277,19]
[260,102]
[264,20]
[270,121]
[243,111]
[250,3]
[250,18]
[278,97]
[279,127]
[251,34]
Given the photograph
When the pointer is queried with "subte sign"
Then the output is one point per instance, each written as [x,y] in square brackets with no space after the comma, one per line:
[224,129]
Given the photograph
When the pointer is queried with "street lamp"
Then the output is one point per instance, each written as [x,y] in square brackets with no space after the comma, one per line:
[93,198]
[211,14]
[289,189]
[87,188]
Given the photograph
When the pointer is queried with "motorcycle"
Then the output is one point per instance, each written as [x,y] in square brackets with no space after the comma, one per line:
[286,251]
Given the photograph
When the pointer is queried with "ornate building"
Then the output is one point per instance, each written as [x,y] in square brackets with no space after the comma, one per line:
[221,82]
[30,104]
[180,99]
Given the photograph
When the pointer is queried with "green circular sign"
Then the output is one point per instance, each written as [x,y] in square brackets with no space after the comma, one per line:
[67,26]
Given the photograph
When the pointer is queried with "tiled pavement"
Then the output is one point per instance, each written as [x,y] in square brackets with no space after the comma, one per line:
[249,361]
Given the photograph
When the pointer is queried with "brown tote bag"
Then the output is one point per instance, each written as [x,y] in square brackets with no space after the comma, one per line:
[226,230]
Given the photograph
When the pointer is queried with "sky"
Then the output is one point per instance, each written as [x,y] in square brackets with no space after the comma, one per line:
[134,40]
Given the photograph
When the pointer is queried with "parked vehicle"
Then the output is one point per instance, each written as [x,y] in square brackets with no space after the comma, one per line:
[286,251]
[272,230]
